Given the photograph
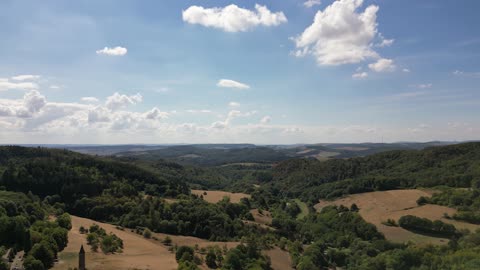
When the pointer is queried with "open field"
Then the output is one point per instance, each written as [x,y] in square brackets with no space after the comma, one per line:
[216,196]
[140,253]
[376,207]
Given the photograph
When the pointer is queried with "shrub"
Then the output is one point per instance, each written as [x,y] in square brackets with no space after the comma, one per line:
[184,253]
[167,241]
[147,233]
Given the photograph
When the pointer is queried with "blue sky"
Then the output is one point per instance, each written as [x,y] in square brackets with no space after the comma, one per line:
[239,71]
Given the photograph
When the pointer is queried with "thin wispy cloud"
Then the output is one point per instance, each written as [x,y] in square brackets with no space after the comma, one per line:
[360,75]
[311,3]
[226,83]
[26,77]
[116,51]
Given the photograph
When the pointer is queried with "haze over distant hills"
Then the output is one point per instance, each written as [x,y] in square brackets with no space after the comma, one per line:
[221,154]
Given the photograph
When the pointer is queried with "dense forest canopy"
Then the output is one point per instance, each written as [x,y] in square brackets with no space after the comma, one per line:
[454,166]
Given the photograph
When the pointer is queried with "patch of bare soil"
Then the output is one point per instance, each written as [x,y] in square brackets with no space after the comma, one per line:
[262,217]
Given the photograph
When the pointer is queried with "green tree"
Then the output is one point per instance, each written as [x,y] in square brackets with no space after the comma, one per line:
[65,221]
[42,252]
[30,263]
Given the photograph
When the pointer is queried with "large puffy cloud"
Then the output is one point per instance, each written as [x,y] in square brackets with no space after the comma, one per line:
[31,103]
[118,101]
[98,114]
[232,84]
[233,18]
[117,51]
[34,101]
[340,34]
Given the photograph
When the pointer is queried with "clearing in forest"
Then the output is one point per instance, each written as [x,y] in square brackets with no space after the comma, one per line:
[216,196]
[141,253]
[138,252]
[377,207]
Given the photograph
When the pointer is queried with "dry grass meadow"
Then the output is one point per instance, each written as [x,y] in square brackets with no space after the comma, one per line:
[376,207]
[216,196]
[140,253]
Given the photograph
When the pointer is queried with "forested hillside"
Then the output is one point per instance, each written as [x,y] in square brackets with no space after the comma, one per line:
[211,156]
[132,193]
[454,166]
[119,192]
[72,176]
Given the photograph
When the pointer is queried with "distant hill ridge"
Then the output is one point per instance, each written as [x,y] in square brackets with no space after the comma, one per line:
[221,154]
[453,165]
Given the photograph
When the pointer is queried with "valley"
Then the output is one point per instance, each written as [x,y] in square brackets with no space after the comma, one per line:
[299,213]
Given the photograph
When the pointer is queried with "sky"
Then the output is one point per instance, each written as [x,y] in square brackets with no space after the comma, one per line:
[264,71]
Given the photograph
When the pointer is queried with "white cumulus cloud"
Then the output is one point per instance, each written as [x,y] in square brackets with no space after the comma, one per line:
[340,34]
[34,101]
[383,65]
[232,84]
[118,101]
[233,18]
[117,51]
[156,114]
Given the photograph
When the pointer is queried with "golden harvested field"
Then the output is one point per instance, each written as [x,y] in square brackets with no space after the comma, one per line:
[376,207]
[216,196]
[140,253]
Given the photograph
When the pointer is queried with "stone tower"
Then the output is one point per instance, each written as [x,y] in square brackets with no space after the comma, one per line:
[81,259]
